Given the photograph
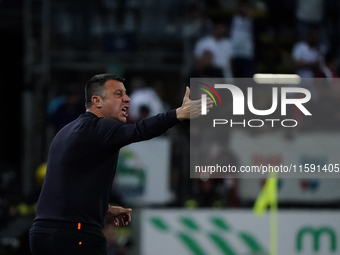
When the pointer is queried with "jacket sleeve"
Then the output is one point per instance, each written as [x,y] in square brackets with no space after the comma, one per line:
[117,134]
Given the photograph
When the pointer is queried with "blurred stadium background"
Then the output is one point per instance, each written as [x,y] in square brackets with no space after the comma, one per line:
[50,48]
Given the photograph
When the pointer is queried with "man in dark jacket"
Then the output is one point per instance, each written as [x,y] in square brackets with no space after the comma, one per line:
[81,167]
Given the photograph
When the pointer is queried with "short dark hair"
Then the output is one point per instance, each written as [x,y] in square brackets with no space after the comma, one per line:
[95,86]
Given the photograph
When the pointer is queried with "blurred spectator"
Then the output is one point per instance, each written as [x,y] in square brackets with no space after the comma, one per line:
[329,93]
[309,13]
[242,39]
[195,26]
[204,68]
[144,101]
[219,46]
[329,69]
[308,55]
[144,112]
[330,72]
[66,108]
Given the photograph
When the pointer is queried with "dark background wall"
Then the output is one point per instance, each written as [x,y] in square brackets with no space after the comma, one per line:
[11,73]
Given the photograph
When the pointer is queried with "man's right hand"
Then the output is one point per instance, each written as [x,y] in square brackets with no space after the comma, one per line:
[120,216]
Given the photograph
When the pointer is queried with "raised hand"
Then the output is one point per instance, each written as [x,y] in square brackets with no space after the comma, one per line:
[191,109]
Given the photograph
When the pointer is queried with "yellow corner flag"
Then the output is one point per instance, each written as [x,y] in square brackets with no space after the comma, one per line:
[268,197]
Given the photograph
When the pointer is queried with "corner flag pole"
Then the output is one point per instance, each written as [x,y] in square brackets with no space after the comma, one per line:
[268,197]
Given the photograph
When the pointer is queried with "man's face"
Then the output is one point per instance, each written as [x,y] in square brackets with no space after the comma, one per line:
[116,101]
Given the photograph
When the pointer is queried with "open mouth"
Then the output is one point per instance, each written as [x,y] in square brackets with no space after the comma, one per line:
[125,110]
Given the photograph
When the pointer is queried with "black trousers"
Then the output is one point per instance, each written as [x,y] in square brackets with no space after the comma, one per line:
[65,241]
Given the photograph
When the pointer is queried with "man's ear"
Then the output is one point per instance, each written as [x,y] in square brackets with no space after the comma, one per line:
[97,101]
